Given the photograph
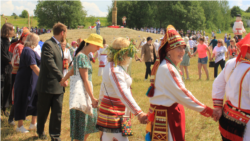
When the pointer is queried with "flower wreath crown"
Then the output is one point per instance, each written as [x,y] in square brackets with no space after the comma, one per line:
[117,54]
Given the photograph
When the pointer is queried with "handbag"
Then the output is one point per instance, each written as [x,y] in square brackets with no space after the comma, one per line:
[79,98]
[211,64]
[126,126]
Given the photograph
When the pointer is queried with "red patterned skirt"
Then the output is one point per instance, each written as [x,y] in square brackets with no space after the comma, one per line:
[161,118]
[110,112]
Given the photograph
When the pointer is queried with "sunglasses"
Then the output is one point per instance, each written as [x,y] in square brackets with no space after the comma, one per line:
[219,42]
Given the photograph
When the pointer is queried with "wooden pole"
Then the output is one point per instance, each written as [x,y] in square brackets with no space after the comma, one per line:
[29,20]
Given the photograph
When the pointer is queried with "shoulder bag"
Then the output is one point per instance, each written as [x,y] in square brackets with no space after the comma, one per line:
[79,97]
[125,121]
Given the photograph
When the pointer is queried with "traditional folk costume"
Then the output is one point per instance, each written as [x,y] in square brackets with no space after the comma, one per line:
[234,82]
[166,121]
[117,100]
[238,27]
[66,60]
[103,59]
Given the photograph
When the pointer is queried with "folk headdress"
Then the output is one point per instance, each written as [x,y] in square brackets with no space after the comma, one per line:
[171,40]
[244,46]
[25,33]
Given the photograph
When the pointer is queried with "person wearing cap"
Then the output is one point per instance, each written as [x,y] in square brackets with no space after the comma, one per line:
[7,32]
[98,25]
[148,56]
[50,91]
[81,124]
[168,94]
[16,49]
[234,83]
[115,94]
[238,27]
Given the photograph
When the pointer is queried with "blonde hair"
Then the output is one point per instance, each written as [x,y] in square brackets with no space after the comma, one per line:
[222,42]
[31,40]
[233,41]
[118,44]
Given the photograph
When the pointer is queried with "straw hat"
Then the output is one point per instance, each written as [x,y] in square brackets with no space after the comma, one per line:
[95,39]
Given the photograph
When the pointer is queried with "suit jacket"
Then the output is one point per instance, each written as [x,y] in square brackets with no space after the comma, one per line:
[51,69]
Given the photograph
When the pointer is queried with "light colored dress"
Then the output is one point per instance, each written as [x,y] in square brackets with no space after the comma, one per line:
[81,123]
[186,58]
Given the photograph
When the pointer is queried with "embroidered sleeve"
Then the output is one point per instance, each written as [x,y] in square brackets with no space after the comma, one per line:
[182,95]
[218,90]
[122,90]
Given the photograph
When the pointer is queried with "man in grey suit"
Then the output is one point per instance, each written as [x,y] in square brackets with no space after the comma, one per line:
[50,92]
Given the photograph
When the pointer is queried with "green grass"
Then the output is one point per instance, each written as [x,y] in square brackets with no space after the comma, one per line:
[23,22]
[20,22]
[198,127]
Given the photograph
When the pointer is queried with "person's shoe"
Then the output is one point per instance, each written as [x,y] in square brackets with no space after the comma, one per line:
[55,139]
[32,126]
[21,129]
[11,122]
[42,136]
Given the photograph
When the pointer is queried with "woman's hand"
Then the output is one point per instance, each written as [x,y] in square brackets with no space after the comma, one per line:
[217,112]
[143,118]
[94,102]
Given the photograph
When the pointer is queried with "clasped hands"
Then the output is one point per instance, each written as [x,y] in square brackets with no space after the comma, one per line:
[143,118]
[217,112]
[63,83]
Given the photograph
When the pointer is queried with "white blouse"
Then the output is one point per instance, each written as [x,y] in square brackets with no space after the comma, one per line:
[170,89]
[117,83]
[234,82]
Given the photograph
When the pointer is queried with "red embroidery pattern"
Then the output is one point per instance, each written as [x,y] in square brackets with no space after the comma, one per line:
[121,91]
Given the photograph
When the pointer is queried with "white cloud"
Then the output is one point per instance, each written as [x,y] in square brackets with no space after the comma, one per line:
[93,9]
[7,8]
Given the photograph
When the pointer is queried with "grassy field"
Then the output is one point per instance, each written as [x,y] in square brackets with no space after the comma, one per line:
[23,22]
[198,128]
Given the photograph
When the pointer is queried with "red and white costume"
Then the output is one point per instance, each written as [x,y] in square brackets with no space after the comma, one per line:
[66,60]
[103,59]
[170,92]
[234,82]
[117,83]
[168,95]
[238,28]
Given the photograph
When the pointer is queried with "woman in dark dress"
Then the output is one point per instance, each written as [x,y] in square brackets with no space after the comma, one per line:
[7,31]
[25,99]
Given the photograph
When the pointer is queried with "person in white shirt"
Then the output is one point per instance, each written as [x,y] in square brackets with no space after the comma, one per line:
[233,83]
[37,49]
[143,42]
[102,57]
[156,43]
[115,94]
[191,44]
[168,93]
[219,53]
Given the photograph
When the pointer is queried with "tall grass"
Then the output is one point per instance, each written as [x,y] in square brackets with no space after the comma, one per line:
[198,127]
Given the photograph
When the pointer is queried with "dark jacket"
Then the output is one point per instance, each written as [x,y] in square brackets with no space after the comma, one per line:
[51,69]
[5,56]
[214,43]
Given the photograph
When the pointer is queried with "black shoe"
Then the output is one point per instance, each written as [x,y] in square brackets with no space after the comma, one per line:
[42,136]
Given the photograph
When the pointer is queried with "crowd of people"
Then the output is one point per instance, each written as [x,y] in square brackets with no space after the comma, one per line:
[34,82]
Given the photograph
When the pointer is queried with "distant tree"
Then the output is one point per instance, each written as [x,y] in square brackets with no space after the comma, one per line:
[24,14]
[235,10]
[91,19]
[248,9]
[70,13]
[13,14]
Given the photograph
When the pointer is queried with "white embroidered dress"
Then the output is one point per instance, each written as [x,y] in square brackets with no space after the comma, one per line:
[236,87]
[67,56]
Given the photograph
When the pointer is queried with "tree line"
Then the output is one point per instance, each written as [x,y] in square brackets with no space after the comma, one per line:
[193,15]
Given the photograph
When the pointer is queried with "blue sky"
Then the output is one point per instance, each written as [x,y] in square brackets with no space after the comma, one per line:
[93,7]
